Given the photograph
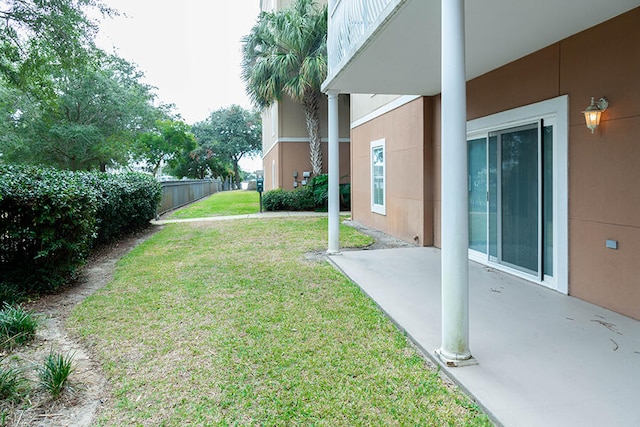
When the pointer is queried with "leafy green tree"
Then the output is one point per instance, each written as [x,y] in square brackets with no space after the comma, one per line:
[168,143]
[233,132]
[286,54]
[98,111]
[201,163]
[38,37]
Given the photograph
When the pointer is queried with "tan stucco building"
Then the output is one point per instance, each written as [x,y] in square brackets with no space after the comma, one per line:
[548,200]
[285,144]
[285,141]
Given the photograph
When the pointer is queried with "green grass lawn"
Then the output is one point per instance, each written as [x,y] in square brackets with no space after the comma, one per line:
[224,203]
[232,324]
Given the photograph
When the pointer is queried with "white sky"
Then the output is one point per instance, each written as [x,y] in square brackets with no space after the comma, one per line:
[188,49]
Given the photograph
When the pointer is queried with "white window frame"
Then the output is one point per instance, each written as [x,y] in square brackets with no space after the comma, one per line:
[375,207]
[556,109]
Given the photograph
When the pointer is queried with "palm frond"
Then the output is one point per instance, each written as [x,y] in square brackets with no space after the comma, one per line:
[285,53]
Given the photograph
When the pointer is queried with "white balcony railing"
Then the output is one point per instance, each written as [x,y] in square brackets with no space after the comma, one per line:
[349,22]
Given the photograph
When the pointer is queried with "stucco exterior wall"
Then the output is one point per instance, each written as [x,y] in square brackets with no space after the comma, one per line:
[604,176]
[363,104]
[270,128]
[409,189]
[289,147]
[604,172]
[292,121]
[290,157]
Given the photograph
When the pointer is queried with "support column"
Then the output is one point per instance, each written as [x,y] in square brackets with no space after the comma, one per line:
[455,239]
[334,174]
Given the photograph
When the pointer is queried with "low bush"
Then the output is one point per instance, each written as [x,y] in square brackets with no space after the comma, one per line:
[47,225]
[312,197]
[300,199]
[320,188]
[345,196]
[274,200]
[126,202]
[50,219]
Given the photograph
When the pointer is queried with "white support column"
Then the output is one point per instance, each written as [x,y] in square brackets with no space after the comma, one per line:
[334,174]
[455,240]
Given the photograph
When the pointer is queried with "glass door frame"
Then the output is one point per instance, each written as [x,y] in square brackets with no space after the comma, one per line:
[538,125]
[551,112]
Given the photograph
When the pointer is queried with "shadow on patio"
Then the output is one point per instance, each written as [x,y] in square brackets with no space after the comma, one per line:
[545,359]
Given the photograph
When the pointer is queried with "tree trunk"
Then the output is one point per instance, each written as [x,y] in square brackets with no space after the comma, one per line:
[236,170]
[311,104]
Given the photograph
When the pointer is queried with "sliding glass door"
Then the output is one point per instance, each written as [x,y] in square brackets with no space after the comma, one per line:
[510,197]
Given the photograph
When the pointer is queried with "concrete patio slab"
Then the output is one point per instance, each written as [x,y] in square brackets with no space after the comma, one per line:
[545,359]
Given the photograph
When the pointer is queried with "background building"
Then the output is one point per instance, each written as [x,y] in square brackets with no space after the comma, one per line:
[285,142]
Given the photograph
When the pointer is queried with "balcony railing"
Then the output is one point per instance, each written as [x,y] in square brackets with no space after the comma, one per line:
[349,22]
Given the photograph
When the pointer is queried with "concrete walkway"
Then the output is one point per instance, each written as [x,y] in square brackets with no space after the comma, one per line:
[255,215]
[545,359]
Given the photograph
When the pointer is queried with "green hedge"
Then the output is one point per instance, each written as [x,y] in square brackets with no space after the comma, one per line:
[47,224]
[308,198]
[126,202]
[49,220]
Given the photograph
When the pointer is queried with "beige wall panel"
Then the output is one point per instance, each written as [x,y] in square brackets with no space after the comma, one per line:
[528,80]
[437,169]
[603,61]
[269,118]
[404,179]
[607,277]
[605,174]
[344,107]
[345,161]
[363,104]
[403,130]
[267,164]
[292,121]
[404,219]
[604,177]
[294,157]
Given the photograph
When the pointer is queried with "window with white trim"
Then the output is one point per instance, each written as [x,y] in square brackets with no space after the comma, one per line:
[378,177]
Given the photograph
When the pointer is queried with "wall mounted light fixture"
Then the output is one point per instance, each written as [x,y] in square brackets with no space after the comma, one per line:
[593,112]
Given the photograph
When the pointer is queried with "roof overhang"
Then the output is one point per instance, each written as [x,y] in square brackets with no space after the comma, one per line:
[402,54]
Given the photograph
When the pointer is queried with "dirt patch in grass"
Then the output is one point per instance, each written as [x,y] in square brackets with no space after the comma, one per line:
[88,388]
[380,241]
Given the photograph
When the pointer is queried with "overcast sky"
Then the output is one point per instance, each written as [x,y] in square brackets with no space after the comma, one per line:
[188,49]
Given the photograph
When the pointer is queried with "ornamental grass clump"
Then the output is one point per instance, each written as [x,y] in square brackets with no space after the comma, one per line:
[55,372]
[17,326]
[12,384]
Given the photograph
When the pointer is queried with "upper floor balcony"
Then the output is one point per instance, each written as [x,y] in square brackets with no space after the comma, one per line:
[393,46]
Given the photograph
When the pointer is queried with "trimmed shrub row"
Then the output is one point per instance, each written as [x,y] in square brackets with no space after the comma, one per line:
[126,202]
[49,220]
[300,199]
[311,197]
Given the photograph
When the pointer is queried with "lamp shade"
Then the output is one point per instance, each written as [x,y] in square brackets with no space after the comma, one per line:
[593,113]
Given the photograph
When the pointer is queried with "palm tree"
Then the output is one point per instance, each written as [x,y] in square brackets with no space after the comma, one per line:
[286,54]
